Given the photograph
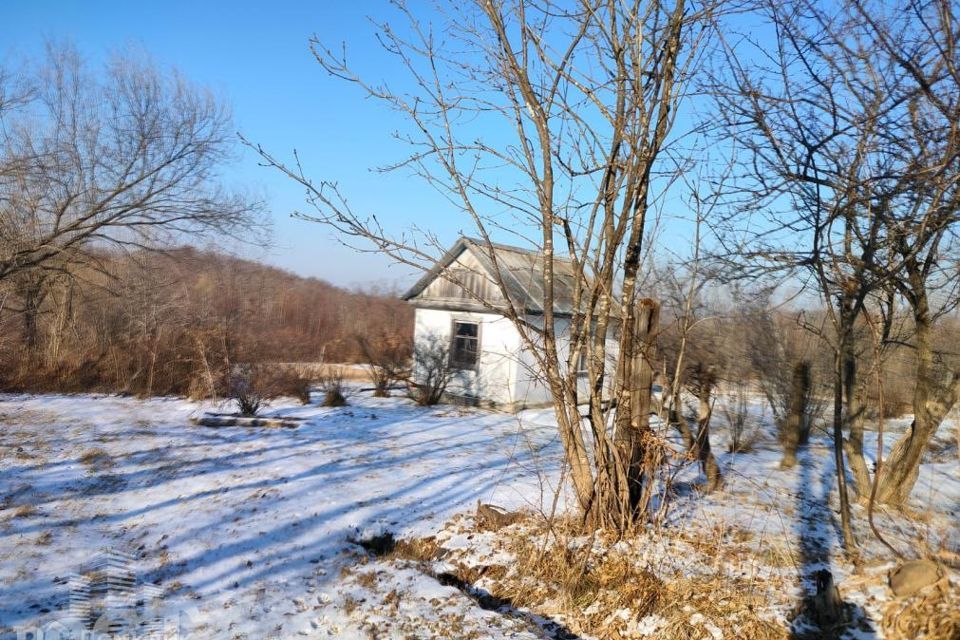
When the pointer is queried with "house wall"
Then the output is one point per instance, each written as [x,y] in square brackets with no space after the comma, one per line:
[494,380]
[531,389]
[507,376]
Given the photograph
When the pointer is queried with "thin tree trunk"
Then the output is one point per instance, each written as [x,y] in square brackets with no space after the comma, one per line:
[674,419]
[854,427]
[632,419]
[708,463]
[848,540]
[648,324]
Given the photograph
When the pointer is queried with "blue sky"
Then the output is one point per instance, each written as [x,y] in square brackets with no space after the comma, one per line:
[255,54]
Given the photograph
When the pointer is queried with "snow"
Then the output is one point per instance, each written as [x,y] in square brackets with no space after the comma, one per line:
[245,528]
[246,532]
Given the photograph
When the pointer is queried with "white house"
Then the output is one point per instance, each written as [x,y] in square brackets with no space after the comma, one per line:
[493,366]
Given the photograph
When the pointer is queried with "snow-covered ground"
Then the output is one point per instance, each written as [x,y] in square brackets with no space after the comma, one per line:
[245,530]
[241,532]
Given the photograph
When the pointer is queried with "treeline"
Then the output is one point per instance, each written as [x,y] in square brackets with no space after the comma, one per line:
[178,322]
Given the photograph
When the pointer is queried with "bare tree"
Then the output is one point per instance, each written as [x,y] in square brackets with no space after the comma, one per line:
[125,158]
[782,354]
[852,140]
[583,99]
[919,209]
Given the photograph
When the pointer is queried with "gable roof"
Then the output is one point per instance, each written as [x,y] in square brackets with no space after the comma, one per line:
[521,271]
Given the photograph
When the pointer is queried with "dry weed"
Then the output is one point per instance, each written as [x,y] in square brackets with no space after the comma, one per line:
[96,458]
[24,511]
[605,590]
[416,549]
[931,616]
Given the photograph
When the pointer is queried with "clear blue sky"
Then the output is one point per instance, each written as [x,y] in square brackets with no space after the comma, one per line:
[255,54]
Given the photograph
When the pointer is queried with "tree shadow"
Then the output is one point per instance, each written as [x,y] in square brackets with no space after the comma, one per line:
[821,614]
[551,629]
[282,498]
[384,544]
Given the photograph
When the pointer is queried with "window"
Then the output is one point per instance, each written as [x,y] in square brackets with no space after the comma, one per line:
[582,364]
[466,345]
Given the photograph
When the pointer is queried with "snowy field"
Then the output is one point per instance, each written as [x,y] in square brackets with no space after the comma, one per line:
[240,532]
[246,530]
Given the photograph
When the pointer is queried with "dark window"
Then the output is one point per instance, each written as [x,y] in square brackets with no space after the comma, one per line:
[466,345]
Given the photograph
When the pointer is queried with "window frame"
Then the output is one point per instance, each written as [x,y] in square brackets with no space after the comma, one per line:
[453,361]
[583,364]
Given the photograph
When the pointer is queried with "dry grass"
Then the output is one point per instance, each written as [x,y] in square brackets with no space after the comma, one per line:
[350,605]
[930,616]
[319,370]
[96,458]
[602,589]
[417,549]
[24,511]
[602,593]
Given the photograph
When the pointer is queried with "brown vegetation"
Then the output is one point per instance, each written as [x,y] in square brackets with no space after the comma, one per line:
[602,589]
[181,322]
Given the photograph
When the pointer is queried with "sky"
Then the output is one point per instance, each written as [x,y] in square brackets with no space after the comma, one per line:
[255,55]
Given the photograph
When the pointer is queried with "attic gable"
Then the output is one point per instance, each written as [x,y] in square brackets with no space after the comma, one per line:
[470,262]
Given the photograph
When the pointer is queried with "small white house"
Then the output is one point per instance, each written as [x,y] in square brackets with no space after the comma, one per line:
[493,367]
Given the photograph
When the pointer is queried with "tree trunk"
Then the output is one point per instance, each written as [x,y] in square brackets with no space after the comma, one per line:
[854,419]
[708,463]
[796,431]
[674,419]
[848,539]
[32,292]
[934,394]
[632,420]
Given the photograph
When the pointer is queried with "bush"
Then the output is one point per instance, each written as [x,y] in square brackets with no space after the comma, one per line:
[388,357]
[735,412]
[275,382]
[243,390]
[252,385]
[432,371]
[331,384]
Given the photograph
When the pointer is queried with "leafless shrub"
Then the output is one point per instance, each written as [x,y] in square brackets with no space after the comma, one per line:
[735,413]
[243,390]
[388,357]
[432,371]
[276,381]
[331,384]
[252,385]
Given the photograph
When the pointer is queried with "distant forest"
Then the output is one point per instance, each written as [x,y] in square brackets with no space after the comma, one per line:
[151,323]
